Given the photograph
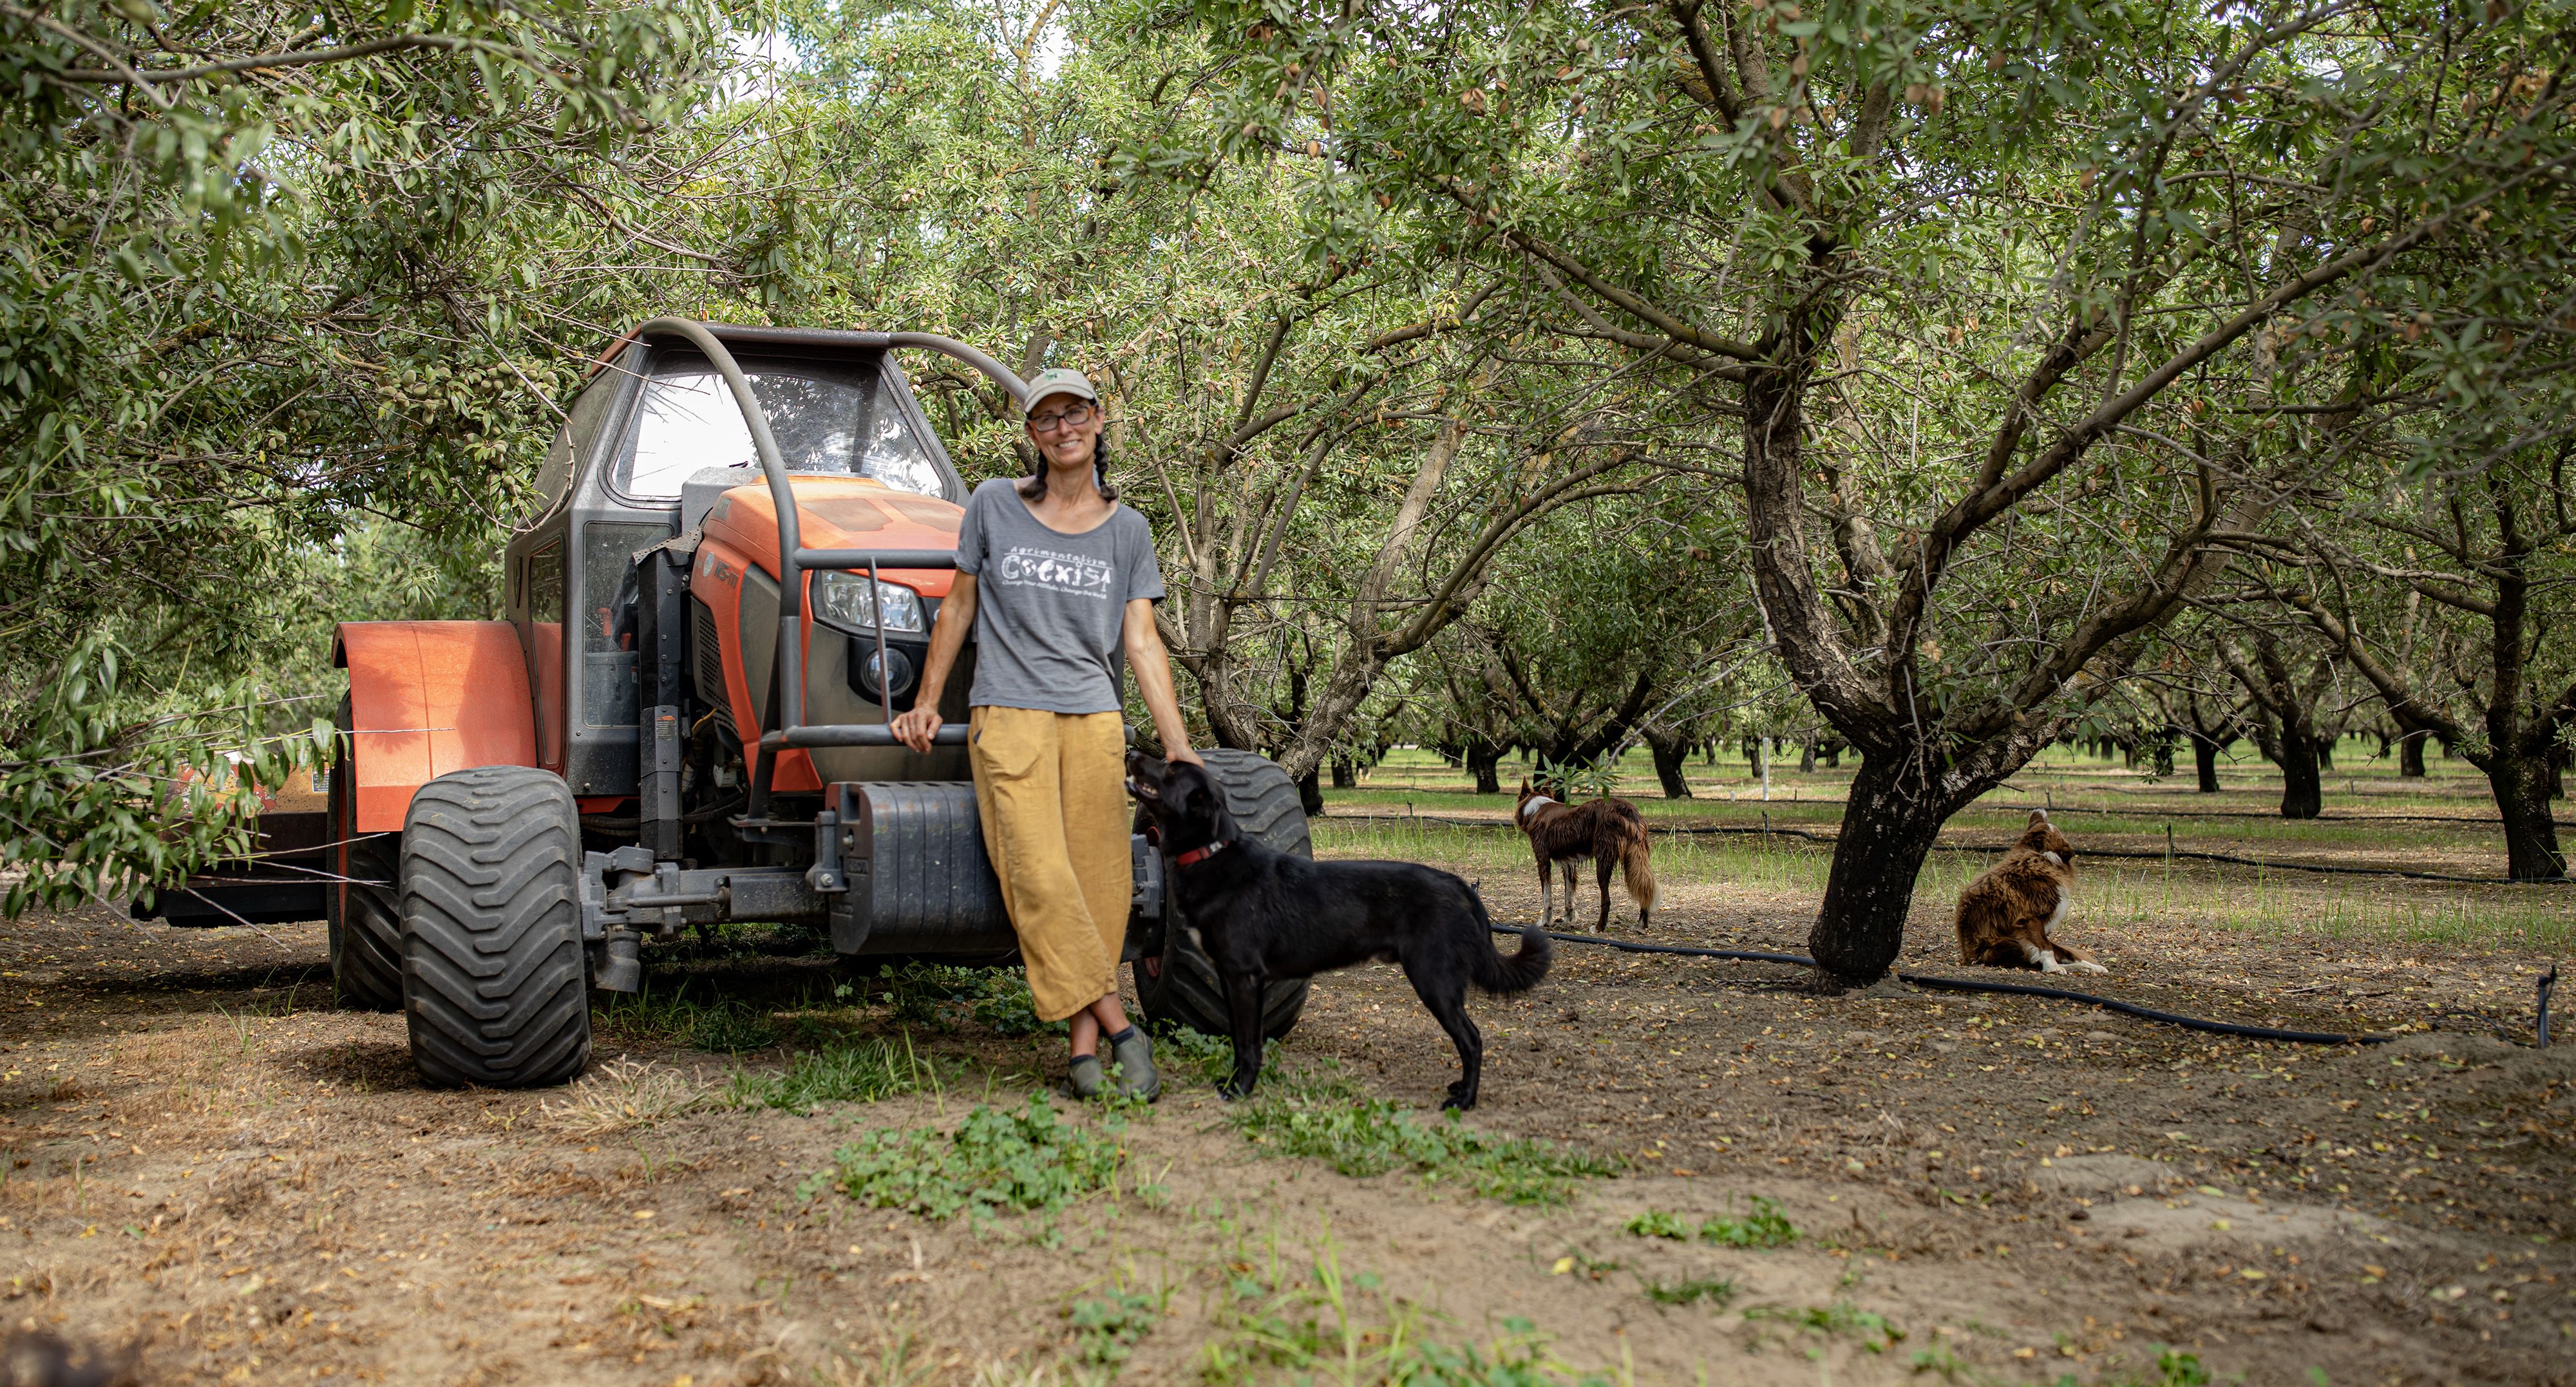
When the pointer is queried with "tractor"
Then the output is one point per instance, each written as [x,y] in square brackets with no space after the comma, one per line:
[721,605]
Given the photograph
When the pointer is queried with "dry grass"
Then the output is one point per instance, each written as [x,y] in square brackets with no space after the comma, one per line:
[623,1094]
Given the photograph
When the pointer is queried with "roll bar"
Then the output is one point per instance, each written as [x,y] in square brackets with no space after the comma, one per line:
[783,722]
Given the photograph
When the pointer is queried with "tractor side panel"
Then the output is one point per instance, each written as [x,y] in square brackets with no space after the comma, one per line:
[426,698]
[744,603]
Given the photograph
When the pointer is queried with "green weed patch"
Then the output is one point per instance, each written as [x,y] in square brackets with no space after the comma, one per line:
[997,1161]
[672,1017]
[1842,1319]
[1315,1110]
[866,1072]
[1655,1223]
[1326,1326]
[942,997]
[1326,1115]
[1107,1330]
[1716,1290]
[1765,1226]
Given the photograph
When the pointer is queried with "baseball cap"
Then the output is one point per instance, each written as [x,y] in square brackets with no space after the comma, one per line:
[1058,380]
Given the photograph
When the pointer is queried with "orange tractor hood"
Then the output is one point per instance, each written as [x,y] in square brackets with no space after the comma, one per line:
[840,513]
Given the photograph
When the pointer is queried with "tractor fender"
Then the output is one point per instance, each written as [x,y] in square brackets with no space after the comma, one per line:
[427,698]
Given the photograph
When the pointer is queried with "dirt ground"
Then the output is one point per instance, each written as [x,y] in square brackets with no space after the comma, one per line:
[210,1170]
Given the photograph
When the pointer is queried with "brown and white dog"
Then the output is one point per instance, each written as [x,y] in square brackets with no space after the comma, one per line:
[2006,913]
[1609,830]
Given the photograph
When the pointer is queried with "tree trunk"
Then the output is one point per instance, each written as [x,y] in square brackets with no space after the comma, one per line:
[2204,760]
[1345,775]
[2410,755]
[1481,759]
[2302,791]
[1669,753]
[2325,752]
[1889,824]
[2521,784]
[1310,792]
[1807,759]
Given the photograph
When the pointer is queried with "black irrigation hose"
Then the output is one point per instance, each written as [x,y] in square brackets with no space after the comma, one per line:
[1829,839]
[1970,985]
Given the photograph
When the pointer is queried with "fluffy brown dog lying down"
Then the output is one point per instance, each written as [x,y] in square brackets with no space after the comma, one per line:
[2005,915]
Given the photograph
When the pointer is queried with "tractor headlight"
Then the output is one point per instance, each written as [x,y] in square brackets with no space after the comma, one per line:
[842,598]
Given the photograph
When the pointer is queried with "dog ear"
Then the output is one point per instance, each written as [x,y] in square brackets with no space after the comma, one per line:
[2038,818]
[1200,802]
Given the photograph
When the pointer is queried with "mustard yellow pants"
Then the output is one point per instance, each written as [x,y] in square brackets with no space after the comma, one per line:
[1051,789]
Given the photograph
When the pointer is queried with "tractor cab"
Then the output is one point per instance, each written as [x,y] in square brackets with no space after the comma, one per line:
[656,453]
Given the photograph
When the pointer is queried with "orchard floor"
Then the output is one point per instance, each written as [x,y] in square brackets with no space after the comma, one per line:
[210,1169]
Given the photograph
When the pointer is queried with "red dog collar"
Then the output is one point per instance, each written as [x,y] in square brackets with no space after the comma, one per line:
[1196,856]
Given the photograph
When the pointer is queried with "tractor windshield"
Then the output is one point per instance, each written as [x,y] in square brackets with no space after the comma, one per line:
[839,420]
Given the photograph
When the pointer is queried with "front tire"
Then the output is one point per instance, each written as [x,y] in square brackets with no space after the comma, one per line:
[493,977]
[1188,992]
[362,912]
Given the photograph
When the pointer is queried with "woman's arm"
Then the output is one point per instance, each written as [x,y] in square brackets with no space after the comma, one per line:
[915,726]
[1153,666]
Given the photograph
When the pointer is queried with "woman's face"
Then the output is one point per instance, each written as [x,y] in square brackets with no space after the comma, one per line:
[1056,434]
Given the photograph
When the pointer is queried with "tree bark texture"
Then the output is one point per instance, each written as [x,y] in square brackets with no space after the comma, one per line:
[1481,761]
[1889,825]
[2204,762]
[2302,788]
[2521,786]
[2410,755]
[1669,753]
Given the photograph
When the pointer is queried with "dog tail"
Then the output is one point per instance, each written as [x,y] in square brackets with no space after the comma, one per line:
[1637,869]
[1518,973]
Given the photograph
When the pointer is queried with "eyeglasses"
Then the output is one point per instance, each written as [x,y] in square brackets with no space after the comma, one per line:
[1074,417]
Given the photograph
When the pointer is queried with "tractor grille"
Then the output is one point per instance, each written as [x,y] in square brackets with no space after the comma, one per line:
[710,654]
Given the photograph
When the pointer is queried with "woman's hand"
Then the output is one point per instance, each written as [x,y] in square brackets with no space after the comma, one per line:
[915,726]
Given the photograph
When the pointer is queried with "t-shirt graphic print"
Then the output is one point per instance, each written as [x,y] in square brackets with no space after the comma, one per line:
[1048,605]
[1028,566]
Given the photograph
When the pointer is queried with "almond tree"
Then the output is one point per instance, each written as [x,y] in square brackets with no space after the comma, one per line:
[2048,259]
[2490,549]
[267,270]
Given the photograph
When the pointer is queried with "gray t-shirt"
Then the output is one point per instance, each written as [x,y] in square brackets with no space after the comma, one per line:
[1048,605]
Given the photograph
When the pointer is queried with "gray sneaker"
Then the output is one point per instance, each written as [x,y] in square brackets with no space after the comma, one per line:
[1137,1077]
[1087,1079]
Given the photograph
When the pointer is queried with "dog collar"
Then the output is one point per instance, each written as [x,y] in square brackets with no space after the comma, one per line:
[1196,856]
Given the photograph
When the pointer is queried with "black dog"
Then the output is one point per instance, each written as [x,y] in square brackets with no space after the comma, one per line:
[1263,915]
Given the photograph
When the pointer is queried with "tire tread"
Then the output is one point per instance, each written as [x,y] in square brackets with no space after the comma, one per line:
[1265,806]
[493,977]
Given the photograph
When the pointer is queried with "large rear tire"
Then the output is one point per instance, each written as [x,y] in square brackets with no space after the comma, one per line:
[362,912]
[493,977]
[1187,991]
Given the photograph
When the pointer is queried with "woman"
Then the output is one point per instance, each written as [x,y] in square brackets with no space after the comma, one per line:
[1063,578]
